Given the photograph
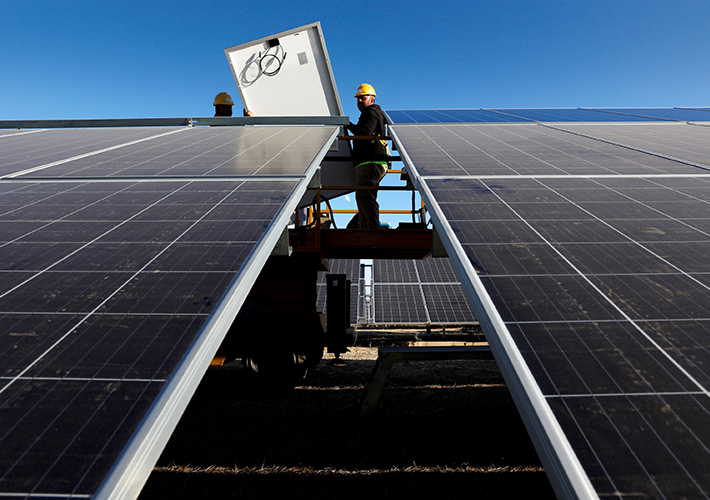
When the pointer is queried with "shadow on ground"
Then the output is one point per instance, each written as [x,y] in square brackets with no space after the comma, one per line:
[444,428]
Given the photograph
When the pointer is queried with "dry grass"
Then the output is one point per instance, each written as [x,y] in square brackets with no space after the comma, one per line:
[447,426]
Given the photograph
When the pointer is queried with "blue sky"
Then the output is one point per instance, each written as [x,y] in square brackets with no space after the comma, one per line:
[95,59]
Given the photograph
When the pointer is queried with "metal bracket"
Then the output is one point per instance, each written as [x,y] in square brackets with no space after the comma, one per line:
[388,356]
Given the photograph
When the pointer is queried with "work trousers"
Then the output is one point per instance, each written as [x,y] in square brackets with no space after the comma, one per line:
[368,174]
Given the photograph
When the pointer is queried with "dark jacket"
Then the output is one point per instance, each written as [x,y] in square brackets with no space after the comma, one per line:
[371,122]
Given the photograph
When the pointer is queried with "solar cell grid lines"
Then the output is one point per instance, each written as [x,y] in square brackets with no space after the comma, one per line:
[30,149]
[590,279]
[394,271]
[573,115]
[216,151]
[418,291]
[680,114]
[398,304]
[688,144]
[349,267]
[435,270]
[496,150]
[115,294]
[450,116]
[548,115]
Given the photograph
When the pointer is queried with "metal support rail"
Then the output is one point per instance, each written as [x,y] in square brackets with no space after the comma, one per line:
[176,122]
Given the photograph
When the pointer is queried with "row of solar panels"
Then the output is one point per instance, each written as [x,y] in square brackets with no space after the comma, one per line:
[126,255]
[549,115]
[404,292]
[582,248]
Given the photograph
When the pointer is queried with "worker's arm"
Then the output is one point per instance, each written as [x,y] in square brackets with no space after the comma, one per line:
[366,124]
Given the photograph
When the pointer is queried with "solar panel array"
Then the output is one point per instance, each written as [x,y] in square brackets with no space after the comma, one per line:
[548,115]
[584,252]
[126,254]
[418,292]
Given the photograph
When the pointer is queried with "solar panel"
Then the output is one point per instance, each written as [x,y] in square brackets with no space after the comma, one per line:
[447,303]
[117,293]
[496,150]
[664,113]
[203,152]
[673,141]
[436,270]
[592,290]
[572,115]
[527,115]
[398,304]
[547,115]
[418,291]
[450,116]
[24,150]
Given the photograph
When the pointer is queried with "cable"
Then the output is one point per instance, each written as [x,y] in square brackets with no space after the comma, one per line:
[330,211]
[271,57]
[414,209]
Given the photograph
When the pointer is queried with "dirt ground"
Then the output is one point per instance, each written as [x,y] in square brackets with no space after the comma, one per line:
[444,428]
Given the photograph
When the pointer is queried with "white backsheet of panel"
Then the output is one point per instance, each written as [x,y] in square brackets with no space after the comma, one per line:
[302,82]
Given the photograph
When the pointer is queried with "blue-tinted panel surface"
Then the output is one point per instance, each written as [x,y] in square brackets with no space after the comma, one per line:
[601,283]
[547,115]
[450,116]
[447,303]
[436,270]
[570,115]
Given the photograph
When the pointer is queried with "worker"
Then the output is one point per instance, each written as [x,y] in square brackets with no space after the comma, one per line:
[223,103]
[370,158]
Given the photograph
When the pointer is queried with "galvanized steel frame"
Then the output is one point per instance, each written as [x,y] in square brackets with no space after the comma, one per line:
[177,122]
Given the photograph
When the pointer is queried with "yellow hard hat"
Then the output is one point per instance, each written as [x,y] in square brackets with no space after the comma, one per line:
[224,99]
[365,89]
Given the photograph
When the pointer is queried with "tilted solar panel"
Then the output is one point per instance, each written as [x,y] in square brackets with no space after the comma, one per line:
[677,142]
[29,149]
[572,115]
[681,114]
[548,115]
[450,116]
[497,150]
[589,278]
[117,293]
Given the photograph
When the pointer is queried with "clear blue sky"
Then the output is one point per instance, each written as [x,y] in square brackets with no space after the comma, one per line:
[127,58]
[96,59]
